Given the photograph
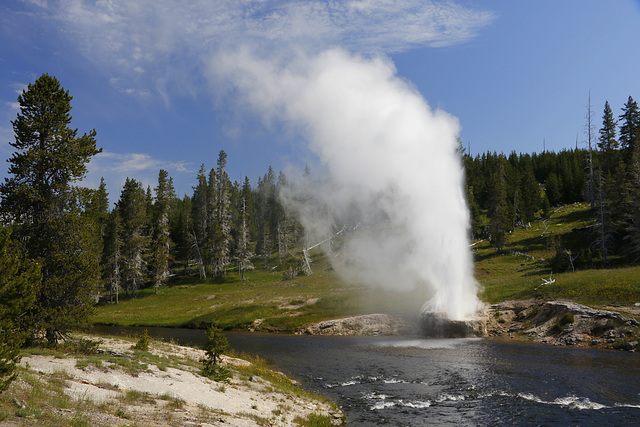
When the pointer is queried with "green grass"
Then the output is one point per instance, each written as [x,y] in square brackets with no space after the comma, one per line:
[233,304]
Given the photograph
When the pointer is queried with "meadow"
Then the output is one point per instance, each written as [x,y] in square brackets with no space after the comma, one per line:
[267,302]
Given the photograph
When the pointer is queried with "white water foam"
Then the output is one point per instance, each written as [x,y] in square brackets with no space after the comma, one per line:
[427,344]
[417,404]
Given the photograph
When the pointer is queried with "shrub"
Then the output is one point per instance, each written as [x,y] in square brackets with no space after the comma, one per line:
[313,420]
[143,341]
[84,346]
[564,320]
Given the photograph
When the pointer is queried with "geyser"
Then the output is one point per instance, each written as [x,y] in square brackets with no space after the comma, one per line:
[392,171]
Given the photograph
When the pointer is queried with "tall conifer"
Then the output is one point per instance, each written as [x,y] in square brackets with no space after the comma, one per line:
[39,196]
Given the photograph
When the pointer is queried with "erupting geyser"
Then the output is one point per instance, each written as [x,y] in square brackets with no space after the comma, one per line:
[392,171]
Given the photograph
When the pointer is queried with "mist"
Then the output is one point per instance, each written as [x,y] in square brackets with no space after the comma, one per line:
[393,181]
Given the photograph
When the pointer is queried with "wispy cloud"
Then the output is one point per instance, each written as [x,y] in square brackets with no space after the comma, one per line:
[146,43]
[115,168]
[18,87]
[134,162]
[14,106]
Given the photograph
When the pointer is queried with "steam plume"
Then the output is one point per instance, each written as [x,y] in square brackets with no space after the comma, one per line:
[392,168]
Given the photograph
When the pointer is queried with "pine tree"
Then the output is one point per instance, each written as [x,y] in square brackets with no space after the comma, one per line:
[197,231]
[162,244]
[284,224]
[630,208]
[266,221]
[40,197]
[607,143]
[552,189]
[590,137]
[98,206]
[209,239]
[132,208]
[248,198]
[630,128]
[530,192]
[602,231]
[244,253]
[214,348]
[222,233]
[179,221]
[498,210]
[18,281]
[112,256]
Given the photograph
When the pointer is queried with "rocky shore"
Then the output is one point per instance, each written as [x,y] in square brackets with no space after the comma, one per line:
[561,323]
[548,322]
[368,324]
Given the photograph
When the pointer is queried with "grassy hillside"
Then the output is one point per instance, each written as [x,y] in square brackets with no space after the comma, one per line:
[267,302]
[518,272]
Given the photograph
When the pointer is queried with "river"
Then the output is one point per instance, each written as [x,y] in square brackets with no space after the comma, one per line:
[414,381]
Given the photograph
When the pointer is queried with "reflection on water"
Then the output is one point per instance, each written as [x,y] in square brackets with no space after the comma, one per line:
[412,381]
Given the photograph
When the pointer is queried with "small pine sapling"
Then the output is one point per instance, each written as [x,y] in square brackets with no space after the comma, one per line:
[143,341]
[214,348]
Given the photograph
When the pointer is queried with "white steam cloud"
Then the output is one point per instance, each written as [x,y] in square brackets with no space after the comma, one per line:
[393,171]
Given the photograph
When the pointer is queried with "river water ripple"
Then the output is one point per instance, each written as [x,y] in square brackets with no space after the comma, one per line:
[413,381]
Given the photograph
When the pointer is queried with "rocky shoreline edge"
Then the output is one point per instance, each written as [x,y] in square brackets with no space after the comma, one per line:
[548,322]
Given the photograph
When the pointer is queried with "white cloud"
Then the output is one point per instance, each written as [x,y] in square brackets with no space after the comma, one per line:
[146,41]
[132,163]
[40,3]
[115,168]
[18,87]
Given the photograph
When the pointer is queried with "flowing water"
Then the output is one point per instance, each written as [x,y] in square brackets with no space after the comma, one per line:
[413,381]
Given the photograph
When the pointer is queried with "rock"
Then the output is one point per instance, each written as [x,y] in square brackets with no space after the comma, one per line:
[437,325]
[515,327]
[559,323]
[370,324]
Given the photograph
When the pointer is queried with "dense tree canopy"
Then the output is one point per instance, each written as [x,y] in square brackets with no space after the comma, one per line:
[18,282]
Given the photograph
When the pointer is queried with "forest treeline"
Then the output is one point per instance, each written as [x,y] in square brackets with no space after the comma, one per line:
[505,192]
[63,246]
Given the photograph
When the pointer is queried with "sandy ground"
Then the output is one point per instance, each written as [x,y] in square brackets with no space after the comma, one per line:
[202,402]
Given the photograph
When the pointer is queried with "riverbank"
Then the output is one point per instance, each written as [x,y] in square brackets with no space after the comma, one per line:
[118,385]
[550,322]
[563,323]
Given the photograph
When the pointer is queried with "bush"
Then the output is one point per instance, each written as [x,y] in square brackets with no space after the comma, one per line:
[143,341]
[314,420]
[82,346]
[564,320]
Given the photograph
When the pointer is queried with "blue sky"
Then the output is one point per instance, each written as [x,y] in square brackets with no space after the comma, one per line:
[153,76]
